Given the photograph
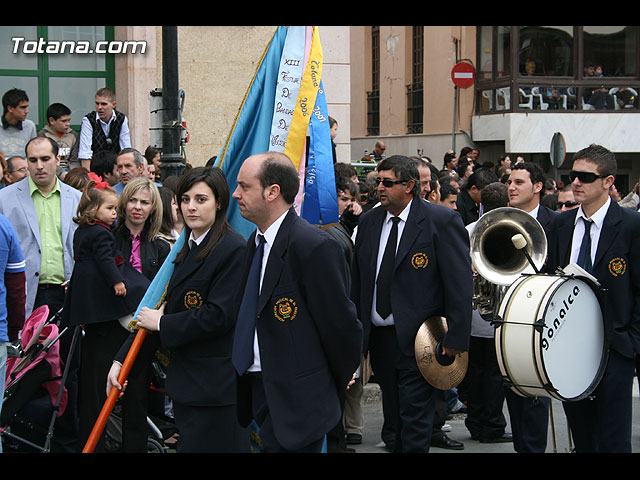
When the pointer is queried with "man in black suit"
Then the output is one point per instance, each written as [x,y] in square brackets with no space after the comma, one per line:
[529,416]
[526,188]
[603,423]
[430,276]
[468,202]
[296,350]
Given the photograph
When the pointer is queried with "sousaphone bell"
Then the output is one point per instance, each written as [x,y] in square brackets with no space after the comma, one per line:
[505,243]
[441,371]
[494,254]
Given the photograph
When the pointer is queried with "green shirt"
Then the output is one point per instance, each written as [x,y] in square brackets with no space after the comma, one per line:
[52,253]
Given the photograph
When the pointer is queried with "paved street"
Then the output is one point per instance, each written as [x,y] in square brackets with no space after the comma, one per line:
[373,422]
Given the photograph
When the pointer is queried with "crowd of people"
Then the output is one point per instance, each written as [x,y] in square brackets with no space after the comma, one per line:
[278,334]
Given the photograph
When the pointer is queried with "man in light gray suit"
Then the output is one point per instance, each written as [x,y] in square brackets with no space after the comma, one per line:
[41,209]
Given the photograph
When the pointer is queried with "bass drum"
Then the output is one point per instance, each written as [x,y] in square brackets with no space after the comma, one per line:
[551,340]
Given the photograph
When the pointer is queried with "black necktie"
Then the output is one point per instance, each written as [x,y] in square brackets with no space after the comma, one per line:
[383,296]
[584,256]
[242,355]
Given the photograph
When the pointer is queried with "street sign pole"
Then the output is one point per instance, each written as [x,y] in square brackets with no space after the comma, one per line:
[455,107]
[463,76]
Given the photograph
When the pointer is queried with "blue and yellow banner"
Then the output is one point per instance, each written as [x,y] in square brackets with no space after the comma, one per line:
[251,130]
[269,120]
[320,205]
[295,147]
[292,64]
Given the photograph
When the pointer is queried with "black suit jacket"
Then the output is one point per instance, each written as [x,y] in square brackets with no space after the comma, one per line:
[616,266]
[98,267]
[545,215]
[466,207]
[432,274]
[197,325]
[152,253]
[309,336]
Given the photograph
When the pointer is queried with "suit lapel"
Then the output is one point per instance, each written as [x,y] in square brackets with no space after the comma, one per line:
[65,206]
[411,230]
[565,237]
[275,263]
[544,216]
[26,202]
[373,239]
[188,265]
[610,230]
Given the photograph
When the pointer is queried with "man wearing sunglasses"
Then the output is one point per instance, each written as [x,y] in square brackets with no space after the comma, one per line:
[566,200]
[429,274]
[602,422]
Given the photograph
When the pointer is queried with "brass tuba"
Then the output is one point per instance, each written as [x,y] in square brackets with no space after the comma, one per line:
[499,259]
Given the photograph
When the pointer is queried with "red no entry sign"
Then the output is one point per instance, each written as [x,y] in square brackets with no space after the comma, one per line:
[463,74]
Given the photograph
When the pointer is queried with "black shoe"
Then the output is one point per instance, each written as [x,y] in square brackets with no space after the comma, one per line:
[353,439]
[504,438]
[390,447]
[444,441]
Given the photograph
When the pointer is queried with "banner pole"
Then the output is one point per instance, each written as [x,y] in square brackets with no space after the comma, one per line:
[109,404]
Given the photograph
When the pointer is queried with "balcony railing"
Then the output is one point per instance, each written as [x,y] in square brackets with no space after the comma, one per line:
[542,97]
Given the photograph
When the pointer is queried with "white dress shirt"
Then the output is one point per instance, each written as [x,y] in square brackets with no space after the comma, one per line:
[384,236]
[534,212]
[596,229]
[191,242]
[86,135]
[269,237]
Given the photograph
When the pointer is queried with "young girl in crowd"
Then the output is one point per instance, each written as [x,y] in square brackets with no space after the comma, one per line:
[102,289]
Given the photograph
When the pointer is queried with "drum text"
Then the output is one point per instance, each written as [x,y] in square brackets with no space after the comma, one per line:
[559,320]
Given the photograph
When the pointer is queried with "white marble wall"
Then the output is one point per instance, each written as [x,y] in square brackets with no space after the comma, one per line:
[532,132]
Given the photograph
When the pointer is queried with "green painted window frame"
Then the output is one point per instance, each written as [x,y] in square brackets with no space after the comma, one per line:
[43,74]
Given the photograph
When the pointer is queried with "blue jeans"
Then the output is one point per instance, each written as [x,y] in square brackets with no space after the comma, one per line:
[3,367]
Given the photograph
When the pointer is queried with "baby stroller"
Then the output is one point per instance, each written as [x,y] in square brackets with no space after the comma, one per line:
[34,395]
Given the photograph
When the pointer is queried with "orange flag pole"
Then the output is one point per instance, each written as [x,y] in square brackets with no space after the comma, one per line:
[109,404]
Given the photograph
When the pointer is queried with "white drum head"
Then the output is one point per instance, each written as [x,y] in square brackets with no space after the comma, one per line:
[572,342]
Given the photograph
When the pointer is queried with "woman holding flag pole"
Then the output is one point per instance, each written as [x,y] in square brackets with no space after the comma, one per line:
[196,320]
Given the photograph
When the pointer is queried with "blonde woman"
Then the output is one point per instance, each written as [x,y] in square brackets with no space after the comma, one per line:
[137,239]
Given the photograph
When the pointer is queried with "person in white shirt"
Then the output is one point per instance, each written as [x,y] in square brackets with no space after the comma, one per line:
[105,128]
[602,422]
[529,416]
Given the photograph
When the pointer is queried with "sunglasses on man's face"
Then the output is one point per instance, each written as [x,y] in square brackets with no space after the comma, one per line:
[585,177]
[387,182]
[569,204]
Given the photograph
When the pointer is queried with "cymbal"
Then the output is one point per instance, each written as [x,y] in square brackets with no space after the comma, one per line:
[441,371]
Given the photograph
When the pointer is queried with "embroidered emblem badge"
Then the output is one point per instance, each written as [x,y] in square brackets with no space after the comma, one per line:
[419,260]
[192,299]
[285,309]
[617,266]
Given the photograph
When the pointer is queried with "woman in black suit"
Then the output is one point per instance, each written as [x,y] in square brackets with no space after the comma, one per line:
[196,321]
